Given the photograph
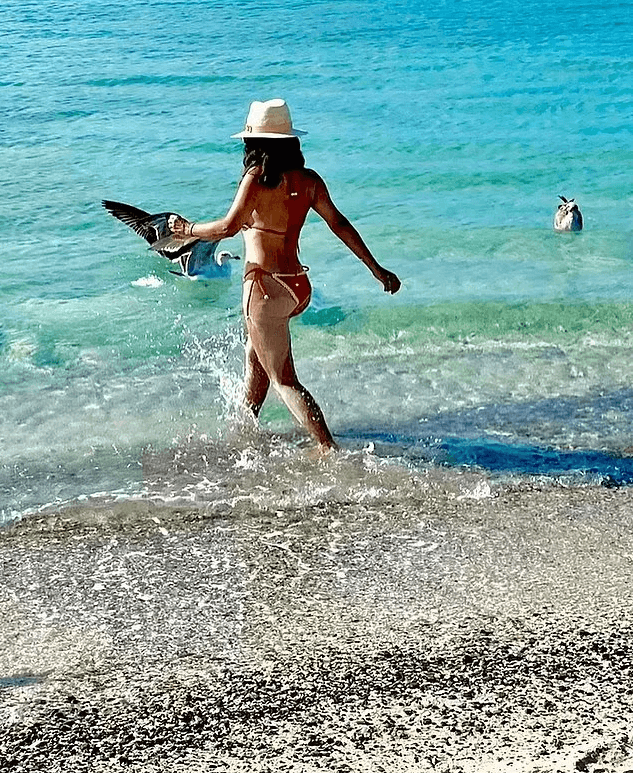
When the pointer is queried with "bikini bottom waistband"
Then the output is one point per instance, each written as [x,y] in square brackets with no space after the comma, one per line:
[255,268]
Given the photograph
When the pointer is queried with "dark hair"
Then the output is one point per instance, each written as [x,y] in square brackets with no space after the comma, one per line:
[273,156]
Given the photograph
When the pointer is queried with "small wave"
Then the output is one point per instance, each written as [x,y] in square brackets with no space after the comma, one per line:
[160,80]
[249,474]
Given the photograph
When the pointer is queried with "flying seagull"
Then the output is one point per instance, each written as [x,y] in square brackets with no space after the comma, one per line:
[195,258]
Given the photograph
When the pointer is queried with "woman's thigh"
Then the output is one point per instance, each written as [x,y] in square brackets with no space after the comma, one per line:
[267,310]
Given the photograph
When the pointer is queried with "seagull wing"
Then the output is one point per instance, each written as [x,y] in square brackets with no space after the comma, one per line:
[171,247]
[150,227]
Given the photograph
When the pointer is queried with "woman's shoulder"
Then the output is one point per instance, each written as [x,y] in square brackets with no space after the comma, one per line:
[252,173]
[250,179]
[313,181]
[312,175]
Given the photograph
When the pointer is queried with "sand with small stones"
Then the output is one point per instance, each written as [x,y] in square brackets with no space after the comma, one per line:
[457,634]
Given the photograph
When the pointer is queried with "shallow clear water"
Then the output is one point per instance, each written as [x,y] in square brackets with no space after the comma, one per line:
[445,136]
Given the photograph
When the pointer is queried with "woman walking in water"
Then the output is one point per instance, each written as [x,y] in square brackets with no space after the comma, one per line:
[274,197]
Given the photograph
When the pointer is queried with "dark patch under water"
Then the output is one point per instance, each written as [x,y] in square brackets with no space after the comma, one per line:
[496,457]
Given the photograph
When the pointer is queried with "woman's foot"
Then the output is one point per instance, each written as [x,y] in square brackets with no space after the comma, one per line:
[322,450]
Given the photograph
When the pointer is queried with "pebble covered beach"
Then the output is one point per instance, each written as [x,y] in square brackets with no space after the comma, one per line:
[467,633]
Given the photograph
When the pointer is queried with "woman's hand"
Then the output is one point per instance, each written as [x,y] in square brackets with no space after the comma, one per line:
[181,228]
[389,280]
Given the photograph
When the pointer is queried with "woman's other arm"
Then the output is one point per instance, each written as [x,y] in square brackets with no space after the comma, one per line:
[345,231]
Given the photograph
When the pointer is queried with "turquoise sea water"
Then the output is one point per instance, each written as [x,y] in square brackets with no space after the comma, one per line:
[445,131]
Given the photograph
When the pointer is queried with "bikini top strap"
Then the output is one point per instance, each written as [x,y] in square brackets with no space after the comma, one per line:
[264,230]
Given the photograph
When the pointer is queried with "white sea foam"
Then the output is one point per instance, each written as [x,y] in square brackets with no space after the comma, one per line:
[148,281]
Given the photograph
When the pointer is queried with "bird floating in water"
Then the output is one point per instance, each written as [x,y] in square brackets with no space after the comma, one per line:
[196,259]
[568,216]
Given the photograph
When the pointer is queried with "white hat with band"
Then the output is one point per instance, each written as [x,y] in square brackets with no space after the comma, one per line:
[269,119]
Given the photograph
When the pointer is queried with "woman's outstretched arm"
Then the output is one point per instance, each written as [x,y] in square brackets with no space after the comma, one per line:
[230,224]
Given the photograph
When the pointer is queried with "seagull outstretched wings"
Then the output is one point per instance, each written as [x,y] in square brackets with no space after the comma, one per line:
[195,258]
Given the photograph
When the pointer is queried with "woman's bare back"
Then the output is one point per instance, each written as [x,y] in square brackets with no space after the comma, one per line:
[271,233]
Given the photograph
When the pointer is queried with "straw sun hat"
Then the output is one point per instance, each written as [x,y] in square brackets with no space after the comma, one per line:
[269,119]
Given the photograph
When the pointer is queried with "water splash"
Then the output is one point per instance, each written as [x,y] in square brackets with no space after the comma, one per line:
[148,281]
[221,355]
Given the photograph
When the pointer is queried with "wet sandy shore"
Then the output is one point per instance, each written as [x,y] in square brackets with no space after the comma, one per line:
[454,634]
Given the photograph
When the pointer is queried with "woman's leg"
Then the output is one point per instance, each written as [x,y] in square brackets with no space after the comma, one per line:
[271,346]
[269,357]
[256,381]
